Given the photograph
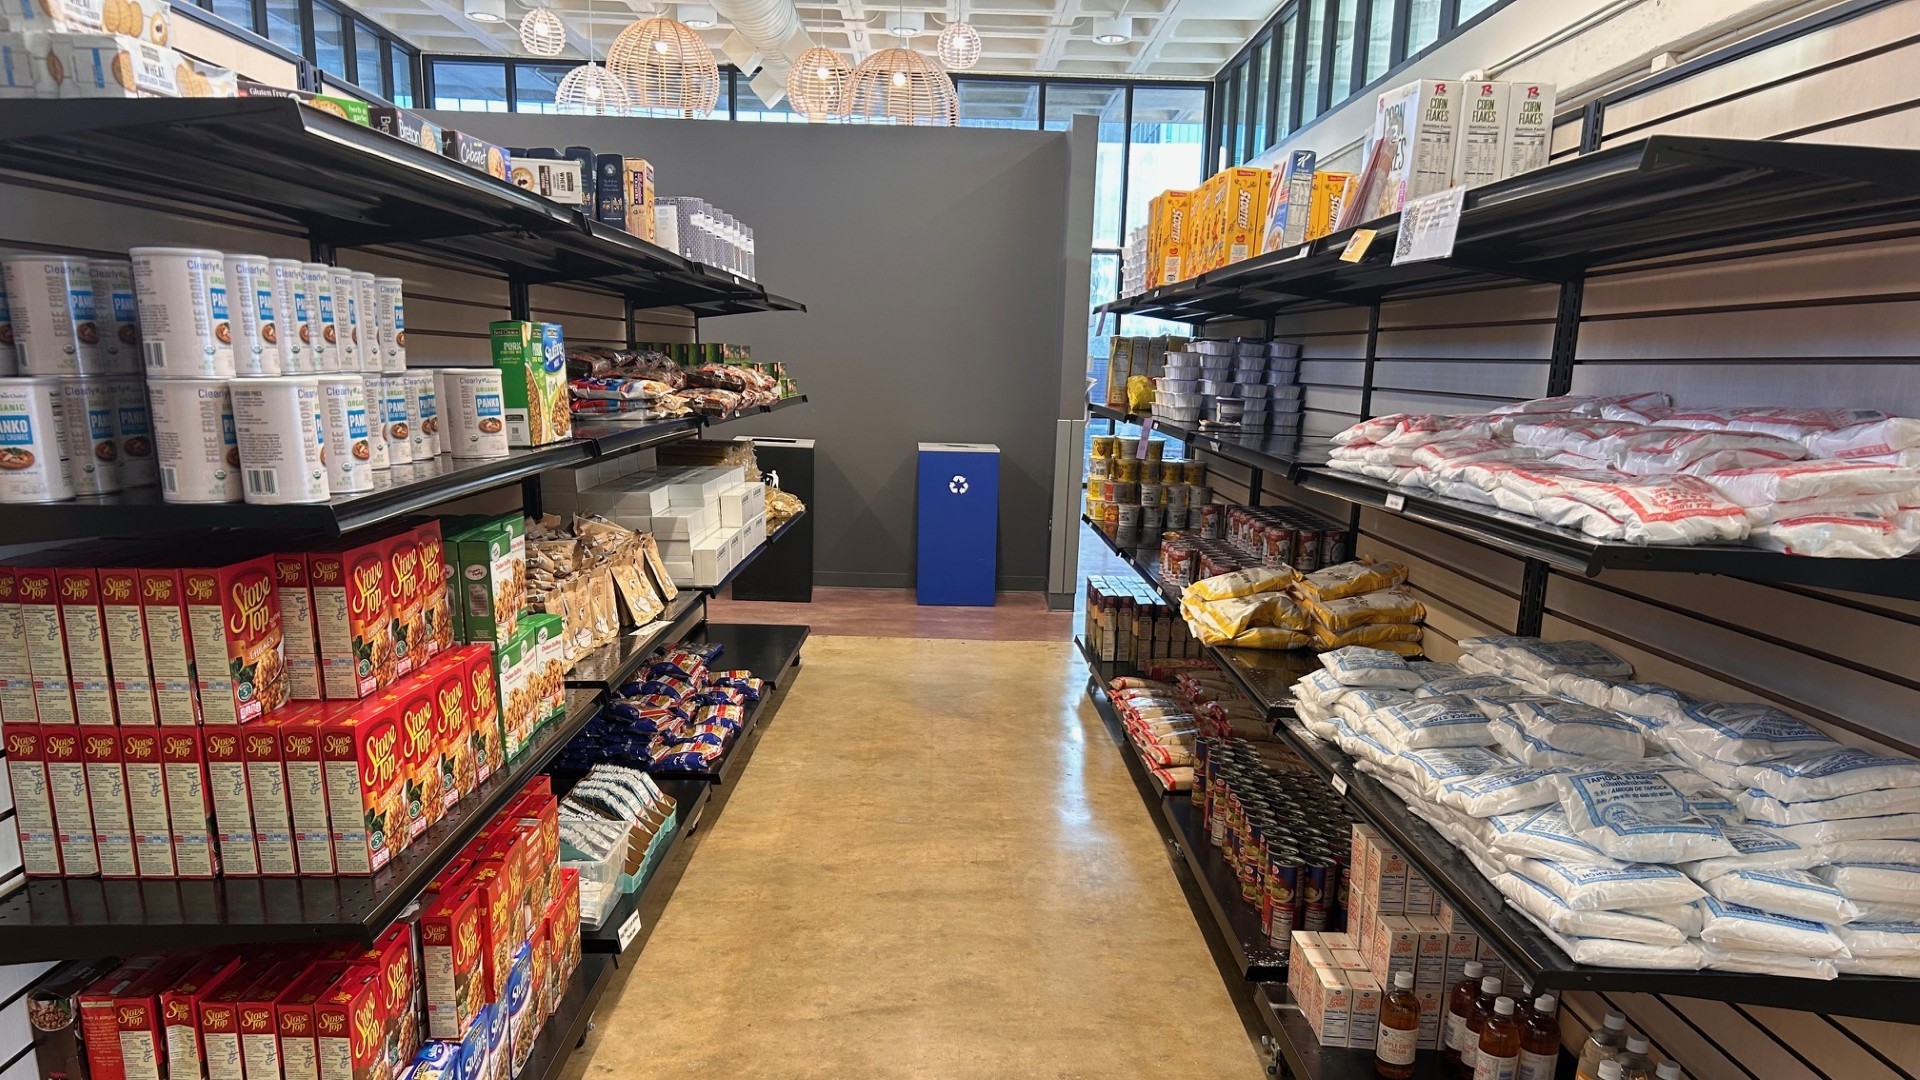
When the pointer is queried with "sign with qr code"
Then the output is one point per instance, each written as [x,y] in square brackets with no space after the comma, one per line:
[1428,226]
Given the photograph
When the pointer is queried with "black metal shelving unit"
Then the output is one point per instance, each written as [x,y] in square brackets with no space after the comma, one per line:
[772,538]
[1307,1060]
[1274,453]
[571,1020]
[607,667]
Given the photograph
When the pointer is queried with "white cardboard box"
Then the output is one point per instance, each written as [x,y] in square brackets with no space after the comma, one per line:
[1418,121]
[683,523]
[1486,126]
[1530,134]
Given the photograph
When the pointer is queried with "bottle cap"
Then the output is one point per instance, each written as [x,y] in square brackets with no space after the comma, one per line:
[1615,1022]
[1668,1070]
[1609,1070]
[1474,970]
[1490,984]
[1503,1006]
[1403,980]
[1636,1045]
[1545,1004]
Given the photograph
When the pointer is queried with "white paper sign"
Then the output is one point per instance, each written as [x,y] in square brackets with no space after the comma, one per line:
[1428,225]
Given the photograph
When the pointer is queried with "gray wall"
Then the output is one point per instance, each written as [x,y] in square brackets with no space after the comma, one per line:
[936,271]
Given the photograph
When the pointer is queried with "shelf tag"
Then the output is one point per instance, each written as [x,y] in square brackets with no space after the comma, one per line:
[1396,502]
[629,929]
[1428,225]
[1146,436]
[1357,245]
[1339,784]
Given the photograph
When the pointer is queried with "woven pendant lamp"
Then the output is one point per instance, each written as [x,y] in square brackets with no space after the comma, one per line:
[817,84]
[542,32]
[592,90]
[958,45]
[668,70]
[901,86]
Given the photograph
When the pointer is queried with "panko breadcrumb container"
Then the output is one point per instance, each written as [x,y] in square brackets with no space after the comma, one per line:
[256,329]
[193,440]
[55,321]
[325,330]
[186,331]
[33,460]
[475,414]
[87,413]
[292,319]
[348,442]
[276,423]
[117,314]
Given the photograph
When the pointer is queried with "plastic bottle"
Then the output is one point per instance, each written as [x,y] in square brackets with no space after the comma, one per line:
[1540,1040]
[1635,1063]
[1668,1070]
[1482,1008]
[1459,1008]
[1399,1036]
[1498,1055]
[1603,1045]
[1607,1070]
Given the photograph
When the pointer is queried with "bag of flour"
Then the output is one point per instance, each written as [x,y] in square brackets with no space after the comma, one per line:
[1357,665]
[1610,888]
[1499,791]
[1608,952]
[1762,487]
[1538,901]
[1794,893]
[1760,806]
[1771,963]
[1856,534]
[1431,722]
[1736,926]
[1674,450]
[1880,882]
[1542,834]
[1881,940]
[1655,706]
[1430,768]
[1573,728]
[1545,659]
[1529,749]
[1831,773]
[1637,816]
[1469,685]
[1742,733]
[1755,849]
[1817,833]
[1690,919]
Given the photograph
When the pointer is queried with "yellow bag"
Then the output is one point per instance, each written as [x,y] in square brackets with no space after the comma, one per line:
[1257,579]
[1139,394]
[1270,637]
[1377,635]
[1351,579]
[1395,605]
[1221,620]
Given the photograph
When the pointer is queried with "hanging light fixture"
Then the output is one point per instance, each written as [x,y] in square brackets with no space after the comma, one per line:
[958,46]
[901,86]
[542,32]
[1114,31]
[592,90]
[817,83]
[490,11]
[666,68]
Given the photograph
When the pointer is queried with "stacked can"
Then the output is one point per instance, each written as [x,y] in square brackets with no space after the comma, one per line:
[1134,494]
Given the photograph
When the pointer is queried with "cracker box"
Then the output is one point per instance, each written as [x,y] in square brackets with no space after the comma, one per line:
[307,789]
[1330,191]
[1416,124]
[46,644]
[436,601]
[103,65]
[343,107]
[636,185]
[352,1038]
[124,624]
[190,802]
[1486,124]
[532,359]
[259,1030]
[413,704]
[476,154]
[240,663]
[83,626]
[32,801]
[107,796]
[72,811]
[296,1020]
[169,647]
[451,936]
[16,672]
[260,745]
[1530,135]
[179,1010]
[491,582]
[407,126]
[147,800]
[232,805]
[484,723]
[360,750]
[295,589]
[353,620]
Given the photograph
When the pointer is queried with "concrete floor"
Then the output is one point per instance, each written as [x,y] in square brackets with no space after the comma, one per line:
[934,865]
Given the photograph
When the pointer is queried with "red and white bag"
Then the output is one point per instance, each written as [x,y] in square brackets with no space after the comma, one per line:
[1797,424]
[1820,478]
[1671,450]
[1445,459]
[1648,510]
[1585,436]
[1584,404]
[1860,535]
[1881,438]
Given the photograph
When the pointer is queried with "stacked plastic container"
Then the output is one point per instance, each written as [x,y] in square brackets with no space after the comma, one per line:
[1245,384]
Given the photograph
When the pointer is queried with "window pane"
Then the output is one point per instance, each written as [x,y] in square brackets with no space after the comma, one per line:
[1423,24]
[369,51]
[237,12]
[283,24]
[1258,72]
[329,41]
[752,108]
[534,86]
[1316,36]
[1068,100]
[1345,27]
[1470,8]
[1379,39]
[402,77]
[476,86]
[1283,110]
[1165,152]
[985,104]
[1236,127]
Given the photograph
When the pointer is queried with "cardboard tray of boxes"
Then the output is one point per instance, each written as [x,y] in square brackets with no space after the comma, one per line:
[707,519]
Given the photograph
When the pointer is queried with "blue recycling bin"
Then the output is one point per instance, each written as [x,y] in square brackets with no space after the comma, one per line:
[959,520]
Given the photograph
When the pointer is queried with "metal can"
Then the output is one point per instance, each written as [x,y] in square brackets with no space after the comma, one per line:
[33,456]
[1333,547]
[426,408]
[346,318]
[277,425]
[1153,519]
[133,431]
[185,329]
[1211,518]
[293,322]
[1307,550]
[366,306]
[54,317]
[348,443]
[193,440]
[390,311]
[1280,915]
[117,314]
[256,346]
[93,454]
[397,417]
[476,413]
[321,316]
[1313,891]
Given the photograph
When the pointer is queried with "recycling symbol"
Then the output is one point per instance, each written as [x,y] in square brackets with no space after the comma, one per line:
[957,485]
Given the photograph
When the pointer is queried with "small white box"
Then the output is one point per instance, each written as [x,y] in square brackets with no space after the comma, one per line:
[732,503]
[1530,133]
[1486,126]
[681,523]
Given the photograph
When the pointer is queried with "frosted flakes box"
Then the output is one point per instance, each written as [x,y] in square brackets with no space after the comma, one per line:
[240,664]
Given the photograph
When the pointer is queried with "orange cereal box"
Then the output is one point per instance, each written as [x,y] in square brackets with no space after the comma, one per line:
[233,615]
[353,621]
[196,851]
[360,751]
[169,647]
[295,589]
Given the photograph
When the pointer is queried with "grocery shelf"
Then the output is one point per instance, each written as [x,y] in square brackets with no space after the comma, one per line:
[571,1020]
[772,538]
[614,433]
[1256,450]
[70,918]
[623,923]
[1660,196]
[351,186]
[770,650]
[1306,1059]
[606,668]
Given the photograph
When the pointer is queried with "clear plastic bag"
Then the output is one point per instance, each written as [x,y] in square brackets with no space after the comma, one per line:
[1881,940]
[1611,888]
[1830,774]
[1638,816]
[1862,534]
[1739,927]
[1759,488]
[1794,893]
[1361,666]
[1672,509]
[1742,733]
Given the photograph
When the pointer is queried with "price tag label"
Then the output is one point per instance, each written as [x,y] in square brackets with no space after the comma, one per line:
[1146,436]
[1396,502]
[629,930]
[1357,245]
[1340,784]
[1428,226]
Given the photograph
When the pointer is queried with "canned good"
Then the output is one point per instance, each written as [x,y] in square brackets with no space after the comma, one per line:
[133,431]
[346,318]
[348,445]
[9,355]
[1153,495]
[426,411]
[1314,892]
[391,312]
[1102,447]
[325,337]
[117,314]
[1098,468]
[185,329]
[293,323]
[277,425]
[1211,519]
[476,413]
[366,307]
[53,315]
[1156,448]
[1307,549]
[193,440]
[1150,471]
[1280,543]
[1333,547]
[398,419]
[256,348]
[1153,519]
[93,454]
[1178,496]
[33,456]
[1176,517]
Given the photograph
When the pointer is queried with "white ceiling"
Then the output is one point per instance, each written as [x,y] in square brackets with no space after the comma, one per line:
[1172,39]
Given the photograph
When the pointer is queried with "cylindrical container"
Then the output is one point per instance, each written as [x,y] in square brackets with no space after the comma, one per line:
[1282,910]
[54,318]
[33,457]
[321,312]
[1150,471]
[1153,495]
[133,432]
[346,318]
[276,422]
[185,329]
[293,324]
[397,411]
[349,443]
[193,440]
[256,345]
[425,436]
[1099,468]
[1177,517]
[476,413]
[1177,496]
[1103,446]
[1153,518]
[93,457]
[9,355]
[117,314]
[391,311]
[366,307]
[443,403]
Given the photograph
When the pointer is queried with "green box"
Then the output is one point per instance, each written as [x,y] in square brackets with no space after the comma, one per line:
[532,358]
[549,632]
[513,667]
[347,108]
[483,559]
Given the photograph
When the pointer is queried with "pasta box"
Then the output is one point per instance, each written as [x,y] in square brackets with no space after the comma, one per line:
[532,359]
[233,617]
[353,620]
[360,750]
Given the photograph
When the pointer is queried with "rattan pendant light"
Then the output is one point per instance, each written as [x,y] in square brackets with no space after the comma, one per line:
[667,69]
[592,90]
[901,86]
[817,83]
[958,46]
[542,32]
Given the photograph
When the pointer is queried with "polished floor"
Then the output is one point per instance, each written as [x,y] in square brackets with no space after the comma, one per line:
[936,865]
[1015,616]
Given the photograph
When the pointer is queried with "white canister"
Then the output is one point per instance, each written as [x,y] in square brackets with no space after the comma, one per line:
[185,331]
[193,440]
[325,339]
[476,413]
[346,318]
[292,325]
[349,449]
[9,357]
[366,306]
[398,413]
[425,440]
[116,312]
[133,432]
[93,454]
[392,313]
[54,319]
[442,403]
[276,422]
[256,333]
[33,457]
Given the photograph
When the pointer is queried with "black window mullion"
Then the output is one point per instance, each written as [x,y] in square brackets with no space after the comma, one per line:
[386,67]
[1126,161]
[349,49]
[1402,20]
[1296,109]
[1329,22]
[1276,124]
[308,47]
[1362,39]
[1449,18]
[1040,109]
[513,86]
[256,10]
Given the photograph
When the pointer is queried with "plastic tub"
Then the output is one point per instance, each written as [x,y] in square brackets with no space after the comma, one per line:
[1207,347]
[1175,386]
[1252,391]
[1283,348]
[1283,378]
[1177,401]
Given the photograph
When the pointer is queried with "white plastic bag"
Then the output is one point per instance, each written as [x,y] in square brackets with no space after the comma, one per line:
[1837,535]
[1771,963]
[1431,768]
[1815,833]
[1742,733]
[1527,748]
[1358,702]
[1499,791]
[1874,911]
[1755,849]
[1545,659]
[1880,882]
[1830,774]
[1538,901]
[1319,687]
[1759,488]
[1586,404]
[1357,665]
[1760,806]
[1655,705]
[1874,438]
[1793,893]
[1434,670]
[1792,422]
[1485,685]
[1573,728]
[1430,722]
[1637,816]
[1543,834]
[1881,940]
[1610,888]
[1736,926]
[1690,919]
[1594,690]
[1672,509]
[1674,450]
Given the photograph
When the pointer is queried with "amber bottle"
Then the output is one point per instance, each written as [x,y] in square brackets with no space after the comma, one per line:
[1459,1008]
[1482,1008]
[1399,1036]
[1540,1040]
[1497,1057]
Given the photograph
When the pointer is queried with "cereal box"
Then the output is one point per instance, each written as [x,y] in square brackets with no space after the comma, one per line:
[233,615]
[72,812]
[413,702]
[169,647]
[436,601]
[1330,190]
[32,801]
[179,1007]
[46,644]
[1289,200]
[83,627]
[296,1020]
[16,673]
[295,589]
[353,618]
[147,800]
[259,1030]
[232,806]
[492,582]
[1486,124]
[450,936]
[307,789]
[1530,135]
[407,584]
[190,802]
[532,359]
[352,1043]
[107,795]
[484,723]
[124,625]
[267,792]
[360,749]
